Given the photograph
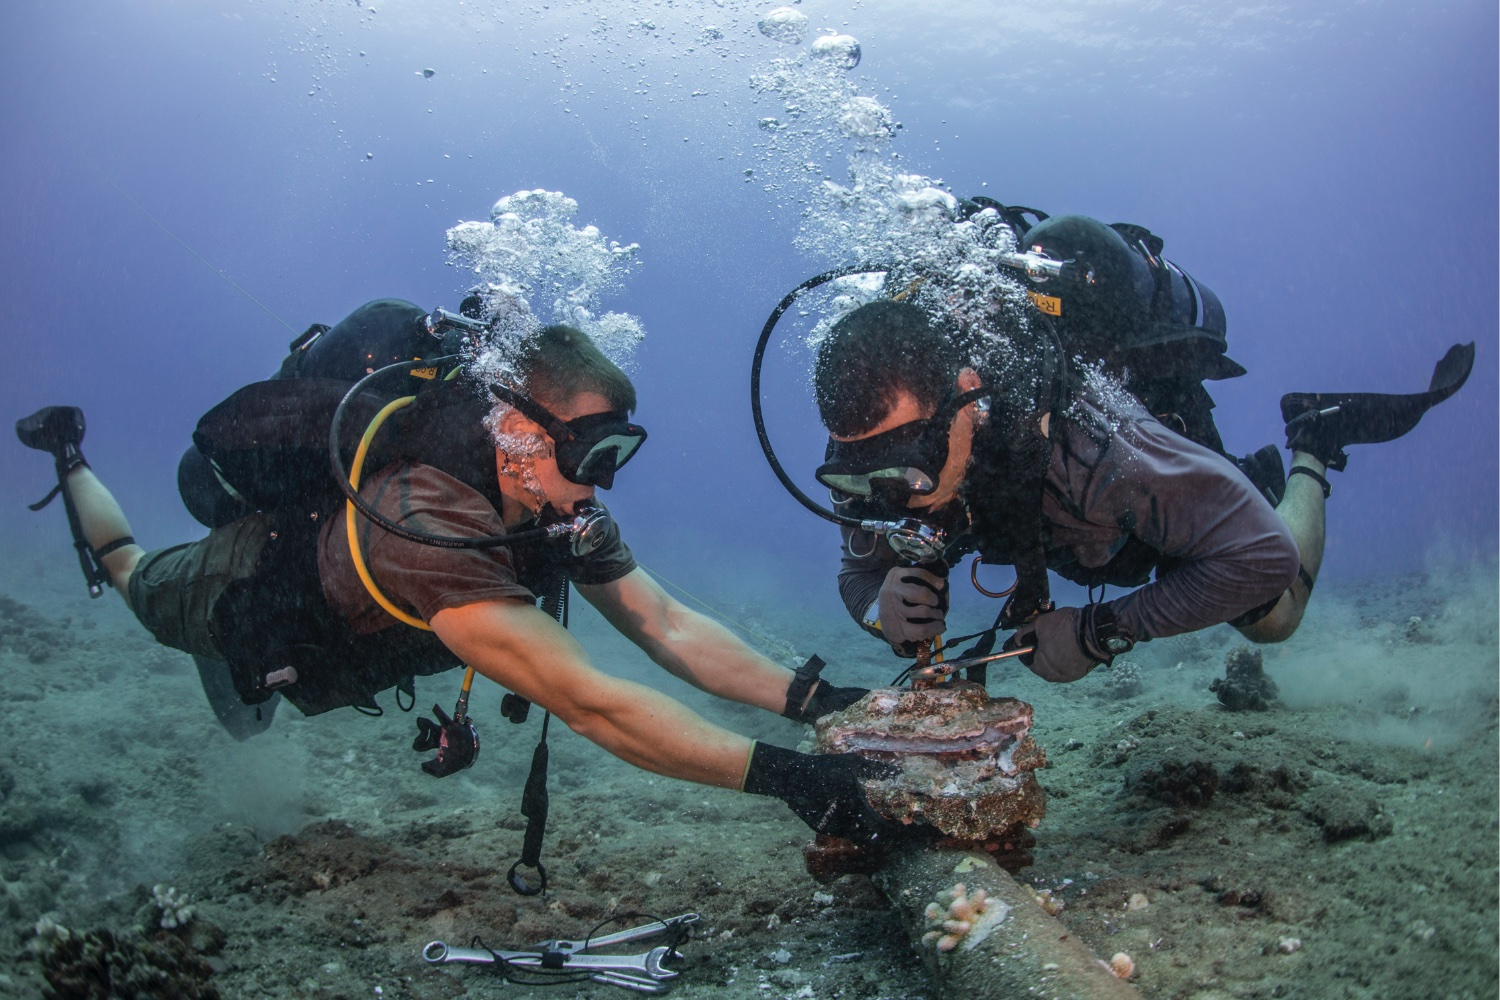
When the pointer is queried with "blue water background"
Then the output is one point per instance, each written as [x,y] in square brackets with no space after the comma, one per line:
[1329,170]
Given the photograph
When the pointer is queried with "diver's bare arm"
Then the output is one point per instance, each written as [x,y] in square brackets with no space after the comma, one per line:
[687,644]
[522,649]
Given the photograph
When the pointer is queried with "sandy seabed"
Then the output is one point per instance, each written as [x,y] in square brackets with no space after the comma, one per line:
[1343,844]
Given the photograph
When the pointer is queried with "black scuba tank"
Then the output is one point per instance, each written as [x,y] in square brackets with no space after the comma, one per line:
[1112,295]
[377,334]
[266,446]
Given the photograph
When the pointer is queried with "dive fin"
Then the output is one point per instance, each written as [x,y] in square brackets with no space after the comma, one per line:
[1322,424]
[57,430]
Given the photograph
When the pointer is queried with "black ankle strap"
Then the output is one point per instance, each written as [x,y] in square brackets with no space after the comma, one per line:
[1315,477]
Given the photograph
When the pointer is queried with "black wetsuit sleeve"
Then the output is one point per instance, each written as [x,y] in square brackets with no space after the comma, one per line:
[861,575]
[1227,550]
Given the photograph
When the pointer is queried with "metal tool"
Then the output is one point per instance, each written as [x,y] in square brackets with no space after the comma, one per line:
[644,973]
[619,937]
[945,668]
[647,964]
[629,982]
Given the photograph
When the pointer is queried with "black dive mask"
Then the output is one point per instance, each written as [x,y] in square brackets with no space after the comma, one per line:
[892,466]
[589,449]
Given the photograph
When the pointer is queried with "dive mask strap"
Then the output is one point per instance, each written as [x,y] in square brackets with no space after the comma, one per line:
[535,412]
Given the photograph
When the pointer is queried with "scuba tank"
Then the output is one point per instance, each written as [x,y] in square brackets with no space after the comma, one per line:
[266,446]
[1111,295]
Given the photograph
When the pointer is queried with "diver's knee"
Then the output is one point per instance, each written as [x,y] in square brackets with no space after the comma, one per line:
[1277,626]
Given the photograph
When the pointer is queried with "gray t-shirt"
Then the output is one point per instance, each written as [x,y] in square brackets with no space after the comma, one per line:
[425,579]
[1121,475]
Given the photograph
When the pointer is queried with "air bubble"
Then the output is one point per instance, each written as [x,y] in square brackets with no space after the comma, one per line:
[839,50]
[784,24]
[866,118]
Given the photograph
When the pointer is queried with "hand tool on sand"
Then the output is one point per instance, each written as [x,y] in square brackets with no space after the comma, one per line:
[561,957]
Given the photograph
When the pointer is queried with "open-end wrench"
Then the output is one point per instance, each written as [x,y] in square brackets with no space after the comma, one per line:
[631,934]
[440,953]
[648,964]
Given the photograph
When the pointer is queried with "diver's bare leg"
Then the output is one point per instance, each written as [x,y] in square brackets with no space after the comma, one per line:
[1303,509]
[103,522]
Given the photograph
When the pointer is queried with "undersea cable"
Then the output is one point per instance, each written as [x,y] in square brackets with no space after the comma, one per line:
[784,650]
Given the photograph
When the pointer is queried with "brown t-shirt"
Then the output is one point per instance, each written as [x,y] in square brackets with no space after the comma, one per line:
[425,579]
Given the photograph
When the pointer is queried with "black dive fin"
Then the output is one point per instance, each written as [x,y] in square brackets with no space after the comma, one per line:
[1452,372]
[54,429]
[1323,423]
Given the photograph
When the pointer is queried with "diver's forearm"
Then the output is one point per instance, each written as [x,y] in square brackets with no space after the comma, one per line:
[709,657]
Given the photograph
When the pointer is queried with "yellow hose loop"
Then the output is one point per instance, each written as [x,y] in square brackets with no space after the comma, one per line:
[351,519]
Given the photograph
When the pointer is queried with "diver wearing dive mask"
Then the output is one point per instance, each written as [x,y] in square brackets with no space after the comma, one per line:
[902,476]
[898,464]
[589,449]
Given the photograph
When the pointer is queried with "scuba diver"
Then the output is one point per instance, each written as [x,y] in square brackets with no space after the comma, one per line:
[1033,460]
[361,535]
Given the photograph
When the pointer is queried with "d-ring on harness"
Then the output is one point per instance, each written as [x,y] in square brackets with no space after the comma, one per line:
[974,579]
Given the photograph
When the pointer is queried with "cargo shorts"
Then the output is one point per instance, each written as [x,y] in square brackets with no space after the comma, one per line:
[173,591]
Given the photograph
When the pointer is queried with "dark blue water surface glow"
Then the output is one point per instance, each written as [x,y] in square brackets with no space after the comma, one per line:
[1331,174]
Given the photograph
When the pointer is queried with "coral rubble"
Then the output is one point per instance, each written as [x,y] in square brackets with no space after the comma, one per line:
[1174,784]
[104,965]
[1244,686]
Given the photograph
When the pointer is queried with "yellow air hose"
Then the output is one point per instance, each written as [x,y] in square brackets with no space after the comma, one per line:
[351,515]
[351,518]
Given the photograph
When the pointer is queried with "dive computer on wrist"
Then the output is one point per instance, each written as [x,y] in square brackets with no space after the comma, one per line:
[1105,636]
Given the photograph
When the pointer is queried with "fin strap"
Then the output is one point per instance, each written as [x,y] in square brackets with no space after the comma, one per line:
[44,501]
[1315,477]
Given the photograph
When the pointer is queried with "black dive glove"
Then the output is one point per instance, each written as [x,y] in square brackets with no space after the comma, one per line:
[825,697]
[831,698]
[1069,642]
[913,606]
[825,790]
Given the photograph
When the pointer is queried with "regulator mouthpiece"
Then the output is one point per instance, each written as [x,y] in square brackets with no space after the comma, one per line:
[585,530]
[910,539]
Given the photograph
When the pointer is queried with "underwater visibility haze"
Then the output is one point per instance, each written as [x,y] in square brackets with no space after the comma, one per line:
[191,185]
